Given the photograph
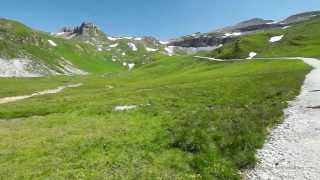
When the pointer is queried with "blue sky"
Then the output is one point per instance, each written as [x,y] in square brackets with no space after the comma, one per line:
[160,18]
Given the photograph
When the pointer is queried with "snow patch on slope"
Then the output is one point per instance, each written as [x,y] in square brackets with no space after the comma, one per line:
[169,50]
[151,49]
[164,42]
[286,27]
[129,38]
[113,45]
[133,46]
[232,34]
[125,108]
[276,39]
[112,38]
[131,66]
[252,55]
[52,43]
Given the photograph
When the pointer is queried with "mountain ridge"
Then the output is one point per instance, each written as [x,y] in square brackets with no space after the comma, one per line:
[87,49]
[223,35]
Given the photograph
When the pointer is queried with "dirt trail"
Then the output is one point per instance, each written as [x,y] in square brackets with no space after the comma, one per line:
[292,150]
[41,93]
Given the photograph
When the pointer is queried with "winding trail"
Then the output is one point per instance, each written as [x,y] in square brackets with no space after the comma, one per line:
[292,150]
[40,93]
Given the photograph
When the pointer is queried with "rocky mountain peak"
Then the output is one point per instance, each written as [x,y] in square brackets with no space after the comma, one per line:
[83,29]
[88,25]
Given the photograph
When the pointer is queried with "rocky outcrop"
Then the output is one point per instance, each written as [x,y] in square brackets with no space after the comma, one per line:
[84,29]
[202,40]
[86,32]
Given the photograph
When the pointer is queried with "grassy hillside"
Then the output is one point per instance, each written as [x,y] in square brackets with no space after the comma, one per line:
[93,52]
[193,120]
[20,41]
[299,40]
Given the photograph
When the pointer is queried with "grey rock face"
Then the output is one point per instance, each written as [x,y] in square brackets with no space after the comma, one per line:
[203,40]
[83,29]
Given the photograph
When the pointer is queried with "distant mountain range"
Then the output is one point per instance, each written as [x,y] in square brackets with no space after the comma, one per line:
[86,49]
[226,34]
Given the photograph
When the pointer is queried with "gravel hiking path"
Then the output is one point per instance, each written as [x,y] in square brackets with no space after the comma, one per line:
[40,93]
[292,150]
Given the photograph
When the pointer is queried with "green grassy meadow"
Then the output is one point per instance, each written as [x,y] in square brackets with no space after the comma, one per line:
[194,120]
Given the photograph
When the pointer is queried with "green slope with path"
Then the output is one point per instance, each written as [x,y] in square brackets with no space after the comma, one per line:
[192,120]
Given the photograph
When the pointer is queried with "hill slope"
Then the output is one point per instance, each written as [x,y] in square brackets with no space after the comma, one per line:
[186,120]
[80,50]
[229,34]
[170,118]
[297,40]
[57,55]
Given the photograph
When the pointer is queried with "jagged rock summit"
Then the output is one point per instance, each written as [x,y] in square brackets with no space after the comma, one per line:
[84,29]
